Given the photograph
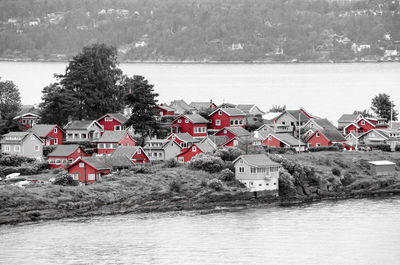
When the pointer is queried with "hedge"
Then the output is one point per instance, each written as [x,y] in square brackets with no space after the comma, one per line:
[323,148]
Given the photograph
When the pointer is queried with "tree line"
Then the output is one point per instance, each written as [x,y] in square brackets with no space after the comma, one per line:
[200,29]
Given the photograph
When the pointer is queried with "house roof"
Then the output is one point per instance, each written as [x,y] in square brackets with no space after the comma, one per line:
[348,118]
[165,107]
[237,131]
[323,123]
[27,109]
[195,118]
[42,130]
[295,114]
[180,103]
[201,105]
[230,111]
[116,116]
[125,151]
[381,163]
[117,162]
[219,140]
[16,137]
[333,135]
[246,108]
[113,136]
[288,139]
[205,147]
[96,162]
[186,137]
[64,150]
[259,160]
[164,143]
[78,125]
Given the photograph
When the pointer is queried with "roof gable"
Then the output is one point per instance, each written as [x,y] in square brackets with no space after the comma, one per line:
[64,150]
[42,130]
[232,112]
[82,125]
[258,160]
[237,131]
[116,116]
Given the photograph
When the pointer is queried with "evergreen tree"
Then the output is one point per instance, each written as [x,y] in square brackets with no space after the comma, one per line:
[93,79]
[383,107]
[141,98]
[10,100]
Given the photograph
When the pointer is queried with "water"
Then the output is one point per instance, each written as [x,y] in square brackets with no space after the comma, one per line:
[345,232]
[325,90]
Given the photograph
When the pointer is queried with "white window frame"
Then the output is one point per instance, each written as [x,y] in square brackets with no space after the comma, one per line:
[55,141]
[7,148]
[37,149]
[186,121]
[194,149]
[317,134]
[81,164]
[317,144]
[92,176]
[217,122]
[220,112]
[362,122]
[139,151]
[241,169]
[179,121]
[17,149]
[55,130]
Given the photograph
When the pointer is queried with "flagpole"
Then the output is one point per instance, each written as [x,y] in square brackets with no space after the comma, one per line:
[299,132]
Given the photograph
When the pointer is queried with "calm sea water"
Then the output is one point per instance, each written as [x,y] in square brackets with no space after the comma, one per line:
[326,90]
[346,232]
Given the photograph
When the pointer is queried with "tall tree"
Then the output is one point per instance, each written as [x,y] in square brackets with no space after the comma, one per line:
[141,98]
[57,104]
[93,79]
[10,100]
[383,107]
[364,113]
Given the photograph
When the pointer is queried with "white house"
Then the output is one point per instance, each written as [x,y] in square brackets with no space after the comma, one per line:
[257,172]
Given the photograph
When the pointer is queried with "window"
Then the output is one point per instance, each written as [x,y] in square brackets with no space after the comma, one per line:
[317,144]
[6,148]
[55,130]
[91,177]
[317,134]
[17,148]
[220,112]
[225,131]
[180,159]
[69,135]
[139,151]
[51,161]
[56,141]
[217,122]
[194,149]
[270,138]
[253,170]
[81,164]
[241,169]
[186,121]
[76,135]
[83,135]
[232,122]
[75,176]
[179,121]
[362,122]
[58,161]
[283,122]
[36,148]
[184,145]
[108,119]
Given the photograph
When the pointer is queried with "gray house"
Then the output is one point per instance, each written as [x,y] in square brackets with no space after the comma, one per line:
[82,130]
[162,149]
[22,144]
[257,172]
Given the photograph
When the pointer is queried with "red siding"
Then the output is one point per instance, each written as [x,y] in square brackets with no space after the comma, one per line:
[227,133]
[164,112]
[188,127]
[109,125]
[124,142]
[224,119]
[85,171]
[188,154]
[139,158]
[58,135]
[322,140]
[72,156]
[352,128]
[366,127]
[273,142]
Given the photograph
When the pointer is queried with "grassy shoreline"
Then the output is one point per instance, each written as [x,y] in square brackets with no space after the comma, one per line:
[129,192]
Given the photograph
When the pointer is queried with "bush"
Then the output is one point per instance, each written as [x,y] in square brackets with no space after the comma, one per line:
[171,163]
[209,163]
[65,180]
[382,147]
[14,160]
[141,170]
[228,154]
[25,168]
[336,171]
[227,175]
[340,146]
[323,148]
[47,149]
[215,184]
[347,179]
[280,150]
[341,163]
[175,186]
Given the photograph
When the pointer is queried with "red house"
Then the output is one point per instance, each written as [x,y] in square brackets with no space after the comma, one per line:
[136,154]
[64,155]
[164,110]
[88,169]
[27,119]
[326,137]
[113,121]
[203,106]
[363,125]
[226,117]
[282,140]
[110,140]
[188,153]
[232,132]
[51,134]
[184,140]
[193,124]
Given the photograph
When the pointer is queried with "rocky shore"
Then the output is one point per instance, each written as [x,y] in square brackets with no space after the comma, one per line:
[163,189]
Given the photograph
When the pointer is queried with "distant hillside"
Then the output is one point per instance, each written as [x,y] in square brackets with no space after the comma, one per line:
[203,30]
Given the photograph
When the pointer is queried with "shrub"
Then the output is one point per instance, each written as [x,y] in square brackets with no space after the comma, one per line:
[227,175]
[175,186]
[171,163]
[65,180]
[215,184]
[203,183]
[228,154]
[141,170]
[323,148]
[47,149]
[347,179]
[336,171]
[280,150]
[14,161]
[382,147]
[340,146]
[206,162]
[341,163]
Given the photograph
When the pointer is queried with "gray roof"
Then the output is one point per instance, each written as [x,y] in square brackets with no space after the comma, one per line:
[125,151]
[259,160]
[200,105]
[64,150]
[16,137]
[112,136]
[295,114]
[119,117]
[163,142]
[247,107]
[348,118]
[180,103]
[230,111]
[333,135]
[324,123]
[96,162]
[167,108]
[186,137]
[42,130]
[78,125]
[219,140]
[205,147]
[237,131]
[288,139]
[118,162]
[196,118]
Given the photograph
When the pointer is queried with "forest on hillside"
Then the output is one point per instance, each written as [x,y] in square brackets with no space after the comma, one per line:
[202,30]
